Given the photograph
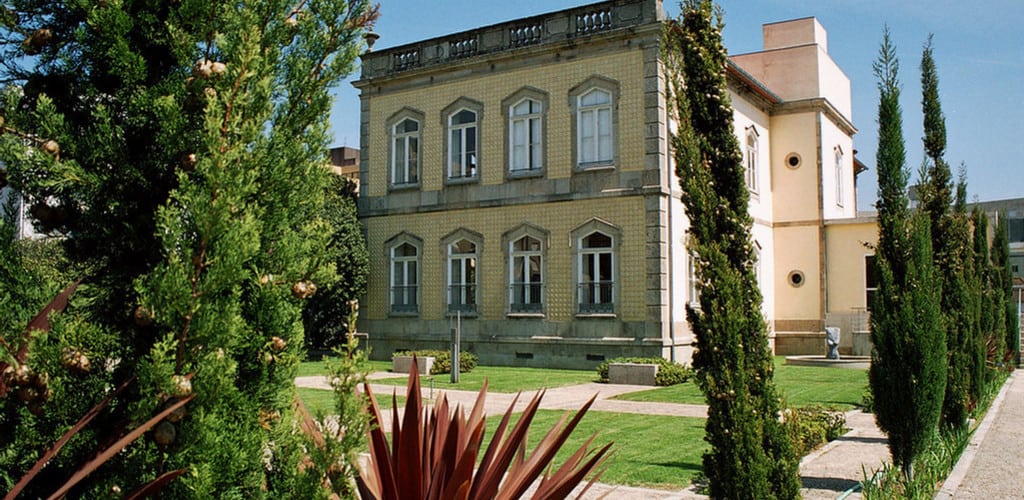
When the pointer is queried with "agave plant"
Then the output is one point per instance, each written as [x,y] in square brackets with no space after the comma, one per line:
[433,455]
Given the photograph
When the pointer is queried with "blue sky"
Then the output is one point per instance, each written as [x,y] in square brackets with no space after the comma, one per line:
[979,51]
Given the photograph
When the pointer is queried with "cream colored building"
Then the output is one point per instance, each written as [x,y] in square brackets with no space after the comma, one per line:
[516,179]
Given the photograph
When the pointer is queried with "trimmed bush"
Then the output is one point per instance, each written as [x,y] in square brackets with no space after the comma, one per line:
[669,372]
[813,426]
[443,360]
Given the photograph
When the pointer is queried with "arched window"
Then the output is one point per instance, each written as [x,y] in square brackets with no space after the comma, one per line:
[594,127]
[526,275]
[525,141]
[596,278]
[405,152]
[839,175]
[751,159]
[462,255]
[405,259]
[462,144]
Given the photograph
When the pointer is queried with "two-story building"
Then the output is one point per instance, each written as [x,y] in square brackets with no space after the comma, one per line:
[518,177]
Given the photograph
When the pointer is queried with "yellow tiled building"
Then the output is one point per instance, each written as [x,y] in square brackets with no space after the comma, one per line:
[518,177]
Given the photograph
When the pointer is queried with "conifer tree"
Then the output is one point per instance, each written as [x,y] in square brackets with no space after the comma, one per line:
[1003,284]
[179,148]
[750,455]
[908,361]
[951,245]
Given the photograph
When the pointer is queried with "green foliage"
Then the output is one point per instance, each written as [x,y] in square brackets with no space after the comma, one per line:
[931,469]
[812,426]
[669,372]
[751,455]
[443,360]
[1003,282]
[179,150]
[908,365]
[324,314]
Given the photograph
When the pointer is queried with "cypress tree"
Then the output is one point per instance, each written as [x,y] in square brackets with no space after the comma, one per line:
[951,245]
[750,455]
[179,148]
[1003,282]
[908,361]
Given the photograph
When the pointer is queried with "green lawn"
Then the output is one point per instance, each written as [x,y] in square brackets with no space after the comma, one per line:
[319,367]
[503,379]
[321,400]
[799,385]
[648,450]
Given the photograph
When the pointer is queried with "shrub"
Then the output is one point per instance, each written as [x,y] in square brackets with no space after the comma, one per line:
[813,426]
[669,372]
[443,360]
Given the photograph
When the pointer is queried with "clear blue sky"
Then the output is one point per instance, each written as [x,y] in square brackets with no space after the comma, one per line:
[979,51]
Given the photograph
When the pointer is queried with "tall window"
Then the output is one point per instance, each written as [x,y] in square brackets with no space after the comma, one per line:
[462,140]
[405,152]
[462,276]
[596,279]
[525,141]
[871,279]
[594,127]
[839,176]
[404,278]
[693,293]
[526,278]
[751,159]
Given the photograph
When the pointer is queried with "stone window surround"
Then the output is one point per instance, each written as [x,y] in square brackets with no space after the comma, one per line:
[507,240]
[390,123]
[478,240]
[446,114]
[513,99]
[575,93]
[577,235]
[389,246]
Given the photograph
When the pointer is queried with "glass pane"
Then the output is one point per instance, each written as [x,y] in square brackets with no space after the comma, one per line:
[518,270]
[456,277]
[604,124]
[410,271]
[455,152]
[523,108]
[400,159]
[605,266]
[471,140]
[463,246]
[470,271]
[464,116]
[407,125]
[535,269]
[595,97]
[413,153]
[399,271]
[597,240]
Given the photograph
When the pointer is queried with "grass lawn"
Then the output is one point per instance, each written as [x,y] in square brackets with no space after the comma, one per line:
[648,450]
[799,385]
[320,400]
[319,367]
[503,379]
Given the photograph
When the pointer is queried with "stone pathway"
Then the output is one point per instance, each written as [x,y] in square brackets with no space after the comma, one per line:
[830,472]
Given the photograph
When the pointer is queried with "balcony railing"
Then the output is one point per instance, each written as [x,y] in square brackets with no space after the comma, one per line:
[403,299]
[526,298]
[595,297]
[462,298]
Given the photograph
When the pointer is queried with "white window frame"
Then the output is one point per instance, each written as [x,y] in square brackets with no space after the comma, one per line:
[533,149]
[591,114]
[410,173]
[532,291]
[465,286]
[462,162]
[839,176]
[409,280]
[692,291]
[751,160]
[595,288]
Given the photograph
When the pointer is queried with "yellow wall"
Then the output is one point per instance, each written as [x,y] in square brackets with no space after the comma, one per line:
[795,190]
[559,219]
[490,89]
[796,249]
[847,246]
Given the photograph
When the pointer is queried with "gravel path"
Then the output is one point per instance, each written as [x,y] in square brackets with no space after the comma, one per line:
[991,465]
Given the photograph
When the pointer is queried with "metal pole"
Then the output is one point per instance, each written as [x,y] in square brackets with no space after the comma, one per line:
[455,347]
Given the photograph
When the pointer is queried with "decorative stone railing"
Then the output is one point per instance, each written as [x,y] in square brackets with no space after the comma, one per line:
[558,26]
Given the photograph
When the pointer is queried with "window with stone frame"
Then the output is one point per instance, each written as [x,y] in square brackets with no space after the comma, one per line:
[596,279]
[462,277]
[405,264]
[594,105]
[462,144]
[751,160]
[526,275]
[526,148]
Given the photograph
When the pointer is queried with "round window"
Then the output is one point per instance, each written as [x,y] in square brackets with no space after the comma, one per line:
[793,160]
[796,278]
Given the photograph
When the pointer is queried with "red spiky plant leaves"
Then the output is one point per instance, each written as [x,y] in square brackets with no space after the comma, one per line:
[433,454]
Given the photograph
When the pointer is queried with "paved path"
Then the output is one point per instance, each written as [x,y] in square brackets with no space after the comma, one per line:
[827,473]
[991,465]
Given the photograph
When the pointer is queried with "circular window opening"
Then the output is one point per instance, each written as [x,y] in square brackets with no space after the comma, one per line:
[793,160]
[796,278]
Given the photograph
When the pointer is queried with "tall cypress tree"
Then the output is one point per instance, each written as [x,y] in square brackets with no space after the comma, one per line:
[908,362]
[1003,281]
[951,245]
[180,149]
[750,455]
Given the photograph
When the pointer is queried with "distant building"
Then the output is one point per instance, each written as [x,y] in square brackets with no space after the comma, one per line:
[345,162]
[519,177]
[12,204]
